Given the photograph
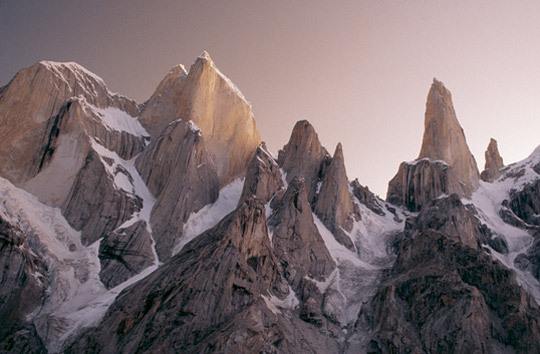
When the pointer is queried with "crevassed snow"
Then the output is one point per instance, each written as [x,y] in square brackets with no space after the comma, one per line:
[338,252]
[357,275]
[211,214]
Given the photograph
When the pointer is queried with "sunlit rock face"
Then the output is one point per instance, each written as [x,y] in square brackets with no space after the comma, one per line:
[212,102]
[31,105]
[494,162]
[444,138]
[162,107]
[209,99]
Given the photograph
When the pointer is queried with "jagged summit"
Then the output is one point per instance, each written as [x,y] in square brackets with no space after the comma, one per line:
[75,68]
[444,138]
[205,55]
[445,164]
[303,155]
[208,98]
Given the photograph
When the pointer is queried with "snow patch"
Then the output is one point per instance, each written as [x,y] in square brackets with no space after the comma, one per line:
[274,303]
[210,215]
[116,119]
[127,178]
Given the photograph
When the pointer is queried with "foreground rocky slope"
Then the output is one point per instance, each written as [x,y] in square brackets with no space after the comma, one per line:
[169,226]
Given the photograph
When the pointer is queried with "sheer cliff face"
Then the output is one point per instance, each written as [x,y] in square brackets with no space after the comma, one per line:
[209,99]
[30,105]
[444,138]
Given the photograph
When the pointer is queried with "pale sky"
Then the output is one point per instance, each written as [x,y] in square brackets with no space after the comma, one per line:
[359,71]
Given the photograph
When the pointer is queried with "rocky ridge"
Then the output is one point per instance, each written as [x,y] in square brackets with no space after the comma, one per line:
[149,247]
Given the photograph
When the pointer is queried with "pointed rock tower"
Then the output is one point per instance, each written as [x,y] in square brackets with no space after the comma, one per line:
[209,99]
[304,156]
[334,205]
[445,164]
[494,162]
[218,107]
[444,138]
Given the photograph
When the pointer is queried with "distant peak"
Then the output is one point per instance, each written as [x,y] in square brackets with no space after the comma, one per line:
[338,153]
[204,55]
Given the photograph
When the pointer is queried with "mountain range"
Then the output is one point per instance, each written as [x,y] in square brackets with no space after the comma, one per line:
[168,226]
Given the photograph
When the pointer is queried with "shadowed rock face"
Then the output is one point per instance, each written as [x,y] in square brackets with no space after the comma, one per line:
[124,253]
[179,172]
[334,205]
[494,163]
[444,138]
[24,282]
[304,156]
[214,283]
[366,197]
[446,294]
[296,240]
[94,205]
[417,184]
[263,178]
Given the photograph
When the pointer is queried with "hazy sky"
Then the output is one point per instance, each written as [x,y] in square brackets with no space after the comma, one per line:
[359,71]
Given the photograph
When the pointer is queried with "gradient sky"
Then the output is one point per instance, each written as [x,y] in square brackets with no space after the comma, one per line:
[359,71]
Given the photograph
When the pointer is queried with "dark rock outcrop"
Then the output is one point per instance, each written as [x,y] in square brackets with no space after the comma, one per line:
[494,163]
[366,197]
[124,253]
[23,284]
[209,297]
[334,205]
[443,295]
[295,238]
[180,173]
[418,183]
[525,203]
